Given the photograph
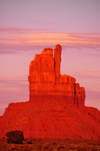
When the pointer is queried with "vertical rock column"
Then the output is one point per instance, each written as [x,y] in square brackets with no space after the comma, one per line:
[79,95]
[42,75]
[57,59]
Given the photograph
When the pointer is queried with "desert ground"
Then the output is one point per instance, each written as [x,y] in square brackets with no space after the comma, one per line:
[48,144]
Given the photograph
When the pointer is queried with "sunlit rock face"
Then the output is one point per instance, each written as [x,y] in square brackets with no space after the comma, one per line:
[56,104]
[45,80]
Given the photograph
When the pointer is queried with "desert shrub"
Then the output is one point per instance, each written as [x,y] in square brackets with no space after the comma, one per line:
[29,142]
[16,137]
[46,148]
[38,148]
[61,148]
[54,143]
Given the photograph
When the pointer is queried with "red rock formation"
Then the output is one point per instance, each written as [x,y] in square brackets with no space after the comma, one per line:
[56,105]
[45,80]
[51,119]
[57,60]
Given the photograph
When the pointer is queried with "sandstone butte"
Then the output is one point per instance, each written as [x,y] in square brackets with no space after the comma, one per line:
[56,106]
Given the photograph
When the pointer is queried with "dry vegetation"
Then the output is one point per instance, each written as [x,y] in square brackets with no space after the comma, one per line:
[51,145]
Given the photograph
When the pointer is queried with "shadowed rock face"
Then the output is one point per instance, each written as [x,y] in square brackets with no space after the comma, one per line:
[45,80]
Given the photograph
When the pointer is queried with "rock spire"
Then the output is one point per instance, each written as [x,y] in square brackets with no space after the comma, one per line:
[45,80]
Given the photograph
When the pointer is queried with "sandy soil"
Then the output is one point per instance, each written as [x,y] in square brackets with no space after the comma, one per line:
[43,144]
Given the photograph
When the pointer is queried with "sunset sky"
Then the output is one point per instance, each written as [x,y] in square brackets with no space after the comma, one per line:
[29,26]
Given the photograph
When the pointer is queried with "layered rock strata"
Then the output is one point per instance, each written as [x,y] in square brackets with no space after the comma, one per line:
[45,80]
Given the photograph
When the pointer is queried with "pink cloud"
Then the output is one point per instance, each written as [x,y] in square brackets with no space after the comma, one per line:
[89,74]
[16,29]
[12,80]
[28,41]
[93,95]
[47,17]
[13,90]
[9,89]
[93,98]
[84,33]
[13,84]
[86,71]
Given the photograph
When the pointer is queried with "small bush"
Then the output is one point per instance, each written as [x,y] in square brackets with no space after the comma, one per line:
[29,142]
[15,137]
